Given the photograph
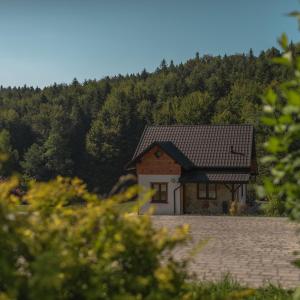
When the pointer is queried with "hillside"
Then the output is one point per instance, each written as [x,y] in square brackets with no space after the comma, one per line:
[90,130]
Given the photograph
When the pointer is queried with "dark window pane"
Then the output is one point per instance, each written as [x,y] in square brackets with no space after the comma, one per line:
[155,186]
[156,196]
[212,191]
[163,196]
[163,187]
[201,190]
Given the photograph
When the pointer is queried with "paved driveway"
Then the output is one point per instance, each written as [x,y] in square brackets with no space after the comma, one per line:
[255,250]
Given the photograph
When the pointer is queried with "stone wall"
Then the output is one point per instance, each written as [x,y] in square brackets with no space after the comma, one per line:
[193,205]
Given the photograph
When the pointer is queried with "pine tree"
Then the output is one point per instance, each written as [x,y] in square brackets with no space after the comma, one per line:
[8,154]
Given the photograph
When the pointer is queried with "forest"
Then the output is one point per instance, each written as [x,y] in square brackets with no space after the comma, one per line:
[90,129]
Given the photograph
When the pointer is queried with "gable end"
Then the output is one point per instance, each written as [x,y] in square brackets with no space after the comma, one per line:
[152,164]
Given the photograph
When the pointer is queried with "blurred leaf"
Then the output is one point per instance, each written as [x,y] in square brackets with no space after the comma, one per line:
[269,121]
[273,145]
[282,61]
[293,97]
[270,97]
[283,41]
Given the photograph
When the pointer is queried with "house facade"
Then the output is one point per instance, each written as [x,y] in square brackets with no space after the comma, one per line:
[195,169]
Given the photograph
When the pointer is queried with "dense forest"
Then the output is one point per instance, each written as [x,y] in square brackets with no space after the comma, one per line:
[90,129]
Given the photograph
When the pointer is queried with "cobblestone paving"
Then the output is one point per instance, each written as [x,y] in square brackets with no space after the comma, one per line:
[254,250]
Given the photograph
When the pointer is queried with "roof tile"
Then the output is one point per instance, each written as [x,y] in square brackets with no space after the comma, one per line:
[206,146]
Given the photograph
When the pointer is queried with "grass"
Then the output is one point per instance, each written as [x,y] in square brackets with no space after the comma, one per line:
[229,289]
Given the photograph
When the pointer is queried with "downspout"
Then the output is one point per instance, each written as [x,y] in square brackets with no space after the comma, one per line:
[175,197]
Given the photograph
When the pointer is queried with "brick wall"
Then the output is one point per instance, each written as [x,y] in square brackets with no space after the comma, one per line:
[150,164]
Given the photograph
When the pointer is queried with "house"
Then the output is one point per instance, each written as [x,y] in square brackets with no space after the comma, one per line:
[195,168]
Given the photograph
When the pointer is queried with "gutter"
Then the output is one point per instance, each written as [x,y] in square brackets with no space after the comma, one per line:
[174,194]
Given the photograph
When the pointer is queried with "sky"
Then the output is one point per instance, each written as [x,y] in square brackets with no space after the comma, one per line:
[47,41]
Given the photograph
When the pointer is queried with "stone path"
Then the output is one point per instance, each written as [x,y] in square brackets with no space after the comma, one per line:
[254,250]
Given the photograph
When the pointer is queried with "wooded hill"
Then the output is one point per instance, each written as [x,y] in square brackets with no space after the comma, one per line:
[91,129]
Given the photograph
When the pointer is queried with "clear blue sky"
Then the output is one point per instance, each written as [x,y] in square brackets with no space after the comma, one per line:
[47,41]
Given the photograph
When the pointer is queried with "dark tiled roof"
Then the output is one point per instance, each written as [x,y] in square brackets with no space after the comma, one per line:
[202,176]
[206,146]
[171,150]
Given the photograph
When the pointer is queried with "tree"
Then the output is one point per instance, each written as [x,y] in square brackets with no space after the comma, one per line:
[164,114]
[193,109]
[11,155]
[172,66]
[163,65]
[56,155]
[144,74]
[113,136]
[90,130]
[33,164]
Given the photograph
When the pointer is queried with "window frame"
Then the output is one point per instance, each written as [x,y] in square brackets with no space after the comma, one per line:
[159,192]
[206,191]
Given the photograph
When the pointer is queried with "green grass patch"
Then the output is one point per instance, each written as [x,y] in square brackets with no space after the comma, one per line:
[229,289]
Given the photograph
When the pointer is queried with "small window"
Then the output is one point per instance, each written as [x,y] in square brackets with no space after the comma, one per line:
[207,191]
[161,192]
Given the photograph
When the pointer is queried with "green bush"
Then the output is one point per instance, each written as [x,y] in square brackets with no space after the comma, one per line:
[282,115]
[274,207]
[57,251]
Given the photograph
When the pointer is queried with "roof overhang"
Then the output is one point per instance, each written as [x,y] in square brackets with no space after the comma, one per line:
[214,177]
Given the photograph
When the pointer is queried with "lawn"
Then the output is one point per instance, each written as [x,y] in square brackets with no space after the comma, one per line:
[229,289]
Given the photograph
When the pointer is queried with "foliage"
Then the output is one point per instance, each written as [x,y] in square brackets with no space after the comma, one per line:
[9,165]
[274,207]
[282,115]
[91,129]
[58,251]
[54,250]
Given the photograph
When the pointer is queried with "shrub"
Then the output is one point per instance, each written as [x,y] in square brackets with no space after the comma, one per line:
[58,251]
[274,207]
[282,115]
